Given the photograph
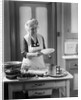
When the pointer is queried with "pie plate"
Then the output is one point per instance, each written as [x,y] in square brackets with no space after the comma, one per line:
[47,51]
[62,74]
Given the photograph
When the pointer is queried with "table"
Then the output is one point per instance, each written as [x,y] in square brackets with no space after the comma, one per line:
[40,83]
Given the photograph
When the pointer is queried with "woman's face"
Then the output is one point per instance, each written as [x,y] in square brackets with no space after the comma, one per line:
[33,31]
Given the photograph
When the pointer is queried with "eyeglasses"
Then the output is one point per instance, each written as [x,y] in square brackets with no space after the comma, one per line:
[33,28]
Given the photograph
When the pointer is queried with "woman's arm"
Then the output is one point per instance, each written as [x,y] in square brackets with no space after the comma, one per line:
[43,43]
[26,53]
[25,48]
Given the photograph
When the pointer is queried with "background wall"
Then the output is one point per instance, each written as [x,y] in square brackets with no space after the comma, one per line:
[59,34]
[67,27]
[6,33]
[70,21]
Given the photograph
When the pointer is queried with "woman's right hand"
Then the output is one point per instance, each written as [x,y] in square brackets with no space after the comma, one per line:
[38,53]
[35,54]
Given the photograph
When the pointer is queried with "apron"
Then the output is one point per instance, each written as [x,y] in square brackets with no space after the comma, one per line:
[34,63]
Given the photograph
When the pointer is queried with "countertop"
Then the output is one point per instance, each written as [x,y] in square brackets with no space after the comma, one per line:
[70,56]
[68,76]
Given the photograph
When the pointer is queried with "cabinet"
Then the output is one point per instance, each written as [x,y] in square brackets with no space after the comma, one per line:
[70,31]
[39,86]
[70,24]
[72,67]
[41,92]
[74,18]
[28,90]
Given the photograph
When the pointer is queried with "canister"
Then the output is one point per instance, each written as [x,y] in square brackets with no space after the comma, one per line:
[57,69]
[51,70]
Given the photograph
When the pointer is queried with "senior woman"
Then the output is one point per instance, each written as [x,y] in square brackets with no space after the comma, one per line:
[33,44]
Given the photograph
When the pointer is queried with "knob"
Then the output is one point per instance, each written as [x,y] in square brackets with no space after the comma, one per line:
[75,64]
[24,91]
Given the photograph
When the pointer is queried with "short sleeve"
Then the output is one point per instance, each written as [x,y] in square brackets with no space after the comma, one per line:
[25,48]
[43,43]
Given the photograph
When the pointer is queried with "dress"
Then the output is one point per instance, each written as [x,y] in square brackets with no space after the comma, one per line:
[29,46]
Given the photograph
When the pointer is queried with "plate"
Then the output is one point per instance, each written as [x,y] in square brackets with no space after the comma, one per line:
[60,75]
[47,51]
[11,76]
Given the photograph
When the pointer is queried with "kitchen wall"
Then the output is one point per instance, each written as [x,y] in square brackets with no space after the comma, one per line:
[65,20]
[59,34]
[70,21]
[6,33]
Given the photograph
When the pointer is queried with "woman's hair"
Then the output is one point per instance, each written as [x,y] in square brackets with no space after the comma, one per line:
[30,24]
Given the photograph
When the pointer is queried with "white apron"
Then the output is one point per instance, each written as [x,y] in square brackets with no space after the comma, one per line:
[34,63]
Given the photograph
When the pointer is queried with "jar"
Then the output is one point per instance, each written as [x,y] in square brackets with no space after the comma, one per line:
[57,69]
[51,69]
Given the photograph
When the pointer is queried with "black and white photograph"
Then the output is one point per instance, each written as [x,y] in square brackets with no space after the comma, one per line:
[39,49]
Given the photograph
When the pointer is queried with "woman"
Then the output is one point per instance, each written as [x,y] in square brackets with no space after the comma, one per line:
[33,44]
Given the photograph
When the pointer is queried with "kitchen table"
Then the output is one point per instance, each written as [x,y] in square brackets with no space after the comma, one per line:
[40,83]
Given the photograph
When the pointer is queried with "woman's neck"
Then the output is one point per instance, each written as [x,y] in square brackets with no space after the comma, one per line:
[34,37]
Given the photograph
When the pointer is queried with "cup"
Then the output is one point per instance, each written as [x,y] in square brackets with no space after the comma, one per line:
[57,69]
[51,70]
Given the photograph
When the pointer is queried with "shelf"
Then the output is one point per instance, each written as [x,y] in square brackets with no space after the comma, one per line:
[70,57]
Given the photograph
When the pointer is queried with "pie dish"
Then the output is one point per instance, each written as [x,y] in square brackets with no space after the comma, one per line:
[47,51]
[61,74]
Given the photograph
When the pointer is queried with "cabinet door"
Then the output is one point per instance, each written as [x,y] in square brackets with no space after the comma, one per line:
[40,92]
[74,82]
[13,88]
[74,18]
[70,21]
[72,67]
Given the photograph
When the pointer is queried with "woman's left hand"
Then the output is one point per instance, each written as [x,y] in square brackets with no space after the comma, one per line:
[38,53]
